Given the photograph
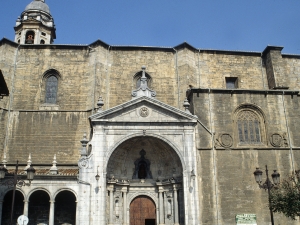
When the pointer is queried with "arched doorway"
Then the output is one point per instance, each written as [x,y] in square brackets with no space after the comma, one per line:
[18,207]
[65,208]
[39,207]
[142,211]
[144,166]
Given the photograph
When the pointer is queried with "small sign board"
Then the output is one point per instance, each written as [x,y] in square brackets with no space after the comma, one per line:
[23,220]
[245,219]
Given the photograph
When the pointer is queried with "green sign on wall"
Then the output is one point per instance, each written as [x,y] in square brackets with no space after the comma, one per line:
[245,219]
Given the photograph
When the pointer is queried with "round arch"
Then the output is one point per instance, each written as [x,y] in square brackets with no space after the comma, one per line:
[249,106]
[7,204]
[51,72]
[10,189]
[143,210]
[249,110]
[128,137]
[65,207]
[137,194]
[65,189]
[38,189]
[30,36]
[38,207]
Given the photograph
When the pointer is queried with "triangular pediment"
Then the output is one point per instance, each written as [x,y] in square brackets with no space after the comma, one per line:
[144,109]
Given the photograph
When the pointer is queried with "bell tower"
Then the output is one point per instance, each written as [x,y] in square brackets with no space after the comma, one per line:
[35,25]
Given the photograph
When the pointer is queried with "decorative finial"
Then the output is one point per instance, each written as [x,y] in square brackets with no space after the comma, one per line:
[84,142]
[53,169]
[186,106]
[100,104]
[4,161]
[143,89]
[144,73]
[28,162]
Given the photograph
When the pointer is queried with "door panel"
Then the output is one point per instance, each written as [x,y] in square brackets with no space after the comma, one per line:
[142,211]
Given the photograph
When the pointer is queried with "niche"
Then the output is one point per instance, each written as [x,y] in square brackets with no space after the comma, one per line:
[142,167]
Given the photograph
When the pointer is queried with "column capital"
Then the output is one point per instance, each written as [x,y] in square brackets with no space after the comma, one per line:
[160,189]
[110,187]
[124,189]
[176,187]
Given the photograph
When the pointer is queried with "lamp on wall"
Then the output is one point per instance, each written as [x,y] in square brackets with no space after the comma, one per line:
[193,175]
[97,176]
[267,185]
[3,171]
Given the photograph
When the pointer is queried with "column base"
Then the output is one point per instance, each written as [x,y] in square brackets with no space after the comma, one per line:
[176,224]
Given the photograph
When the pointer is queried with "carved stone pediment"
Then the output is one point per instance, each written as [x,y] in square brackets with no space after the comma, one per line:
[143,109]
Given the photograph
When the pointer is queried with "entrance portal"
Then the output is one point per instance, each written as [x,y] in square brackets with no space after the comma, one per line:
[142,211]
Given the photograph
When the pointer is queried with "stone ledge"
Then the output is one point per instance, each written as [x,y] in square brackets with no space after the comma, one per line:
[49,107]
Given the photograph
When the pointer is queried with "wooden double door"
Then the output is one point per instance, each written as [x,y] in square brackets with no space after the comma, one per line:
[142,211]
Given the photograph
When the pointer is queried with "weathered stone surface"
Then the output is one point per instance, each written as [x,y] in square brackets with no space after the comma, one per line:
[223,166]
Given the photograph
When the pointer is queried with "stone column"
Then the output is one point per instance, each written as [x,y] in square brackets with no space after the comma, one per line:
[25,211]
[51,213]
[161,207]
[77,214]
[175,200]
[111,204]
[125,206]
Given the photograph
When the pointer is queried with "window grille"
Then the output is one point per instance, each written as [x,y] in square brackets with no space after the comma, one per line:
[248,128]
[51,90]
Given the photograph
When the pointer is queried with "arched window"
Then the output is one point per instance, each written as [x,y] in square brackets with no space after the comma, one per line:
[51,89]
[249,127]
[29,38]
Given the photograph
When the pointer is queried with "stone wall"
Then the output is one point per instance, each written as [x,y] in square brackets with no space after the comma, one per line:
[33,63]
[215,66]
[125,64]
[226,182]
[88,72]
[44,134]
[292,71]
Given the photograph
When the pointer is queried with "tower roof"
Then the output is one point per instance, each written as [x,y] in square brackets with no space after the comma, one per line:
[38,5]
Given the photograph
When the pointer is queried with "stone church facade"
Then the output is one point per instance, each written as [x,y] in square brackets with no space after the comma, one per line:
[138,135]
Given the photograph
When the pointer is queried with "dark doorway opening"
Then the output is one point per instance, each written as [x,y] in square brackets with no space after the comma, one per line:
[39,206]
[18,207]
[149,221]
[65,208]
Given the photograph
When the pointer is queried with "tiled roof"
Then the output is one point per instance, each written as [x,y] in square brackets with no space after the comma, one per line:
[43,172]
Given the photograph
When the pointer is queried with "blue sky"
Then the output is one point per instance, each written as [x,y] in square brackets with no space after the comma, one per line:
[208,24]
